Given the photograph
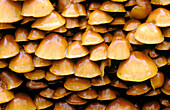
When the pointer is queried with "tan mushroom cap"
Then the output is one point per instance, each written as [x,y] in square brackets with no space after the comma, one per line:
[119,33]
[110,6]
[130,3]
[62,67]
[119,48]
[138,89]
[151,105]
[10,79]
[166,32]
[31,47]
[81,9]
[121,104]
[63,4]
[60,92]
[88,94]
[5,95]
[6,26]
[134,68]
[160,2]
[77,84]
[41,102]
[72,23]
[48,92]
[50,22]
[21,34]
[149,33]
[8,47]
[37,8]
[94,5]
[106,94]
[153,53]
[96,106]
[3,64]
[61,29]
[98,52]
[118,83]
[10,11]
[108,37]
[90,37]
[39,62]
[20,101]
[87,69]
[103,64]
[36,34]
[52,77]
[76,50]
[158,80]
[118,21]
[99,17]
[131,24]
[75,100]
[97,28]
[166,87]
[77,36]
[22,63]
[83,23]
[100,81]
[52,47]
[153,92]
[36,84]
[71,11]
[63,106]
[35,75]
[160,61]
[27,19]
[165,45]
[131,38]
[164,101]
[160,16]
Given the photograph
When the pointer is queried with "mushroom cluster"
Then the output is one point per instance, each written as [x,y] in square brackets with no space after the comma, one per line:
[84,54]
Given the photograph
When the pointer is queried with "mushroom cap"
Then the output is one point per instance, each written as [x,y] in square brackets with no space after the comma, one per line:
[52,47]
[75,100]
[52,77]
[8,47]
[100,81]
[98,52]
[36,84]
[6,26]
[160,61]
[87,69]
[61,29]
[158,80]
[160,16]
[63,106]
[90,37]
[121,104]
[62,67]
[153,92]
[149,33]
[63,4]
[77,36]
[60,92]
[81,9]
[99,17]
[22,63]
[130,3]
[76,50]
[3,64]
[90,93]
[110,6]
[77,84]
[131,24]
[10,79]
[166,87]
[72,23]
[103,64]
[119,48]
[164,101]
[83,23]
[71,11]
[42,103]
[107,37]
[166,32]
[118,21]
[151,105]
[96,106]
[165,45]
[10,11]
[97,28]
[106,94]
[27,19]
[35,75]
[139,67]
[39,62]
[118,83]
[21,34]
[36,34]
[48,93]
[20,101]
[131,38]
[160,2]
[31,47]
[50,22]
[119,33]
[94,5]
[37,8]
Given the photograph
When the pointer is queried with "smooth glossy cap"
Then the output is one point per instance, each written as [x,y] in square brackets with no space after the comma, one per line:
[48,92]
[39,62]
[61,29]
[108,37]
[36,34]
[118,21]
[36,84]
[87,69]
[52,47]
[76,50]
[130,3]
[160,61]
[52,77]
[160,16]
[166,87]
[72,23]
[100,81]
[160,2]
[10,11]
[158,80]
[63,4]
[118,83]
[166,32]
[60,92]
[75,100]
[94,5]
[6,26]
[41,102]
[63,106]
[131,38]
[71,11]
[88,94]
[50,22]
[119,33]
[20,101]
[165,45]
[62,67]
[151,105]
[37,8]
[153,92]
[76,84]
[8,47]
[21,34]
[106,94]
[149,33]
[118,0]
[99,17]
[31,47]
[3,64]
[97,28]
[27,19]
[110,6]
[35,75]
[134,68]
[131,24]
[96,106]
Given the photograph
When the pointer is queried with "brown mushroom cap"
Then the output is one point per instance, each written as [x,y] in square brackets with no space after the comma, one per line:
[166,87]
[160,2]
[50,22]
[63,106]
[27,19]
[160,61]
[52,46]
[166,32]
[99,17]
[96,106]
[118,83]
[31,47]
[103,64]
[134,68]
[6,26]
[20,101]
[153,92]
[72,23]
[108,37]
[160,16]
[36,84]
[118,21]
[60,92]
[61,29]
[121,104]
[87,69]
[39,62]
[131,24]
[22,63]
[131,38]
[165,101]
[158,80]
[35,75]
[100,81]
[3,64]
[130,3]
[10,11]
[71,11]
[77,84]
[48,92]
[21,34]
[88,94]
[8,47]
[94,5]
[97,28]
[75,100]
[52,77]
[106,94]
[165,45]
[36,34]
[152,105]
[37,8]
[153,53]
